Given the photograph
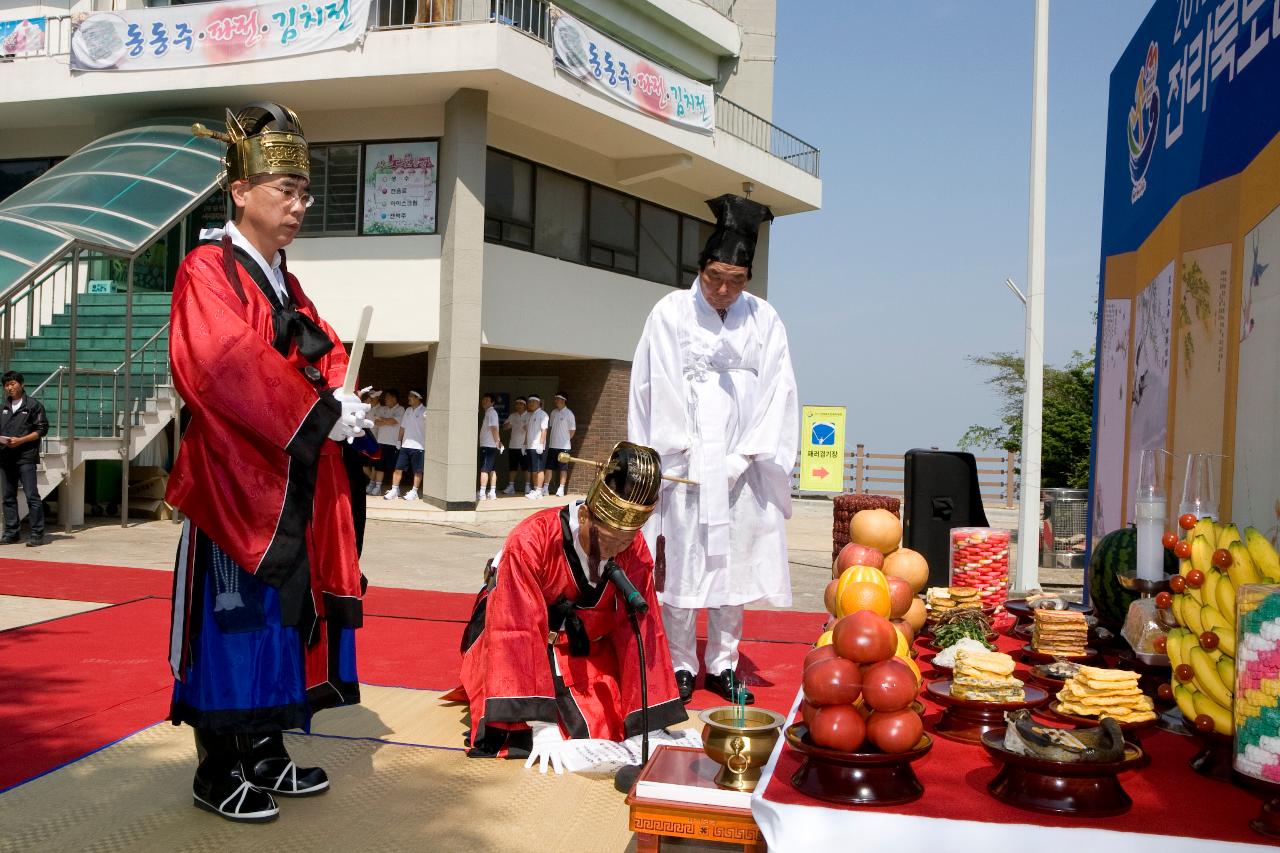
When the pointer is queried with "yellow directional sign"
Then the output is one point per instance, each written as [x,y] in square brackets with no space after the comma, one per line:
[822,449]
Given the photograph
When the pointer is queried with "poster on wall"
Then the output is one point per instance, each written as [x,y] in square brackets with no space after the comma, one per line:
[1113,408]
[1200,354]
[1256,492]
[400,188]
[192,35]
[1149,394]
[23,36]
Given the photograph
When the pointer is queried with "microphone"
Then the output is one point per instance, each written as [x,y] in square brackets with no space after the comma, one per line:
[631,597]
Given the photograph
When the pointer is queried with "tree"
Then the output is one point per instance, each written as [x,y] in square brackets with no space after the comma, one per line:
[1067,420]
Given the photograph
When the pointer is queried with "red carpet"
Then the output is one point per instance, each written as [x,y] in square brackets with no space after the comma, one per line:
[76,684]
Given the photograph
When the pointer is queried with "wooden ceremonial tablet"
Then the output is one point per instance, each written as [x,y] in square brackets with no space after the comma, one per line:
[1059,787]
[856,778]
[965,720]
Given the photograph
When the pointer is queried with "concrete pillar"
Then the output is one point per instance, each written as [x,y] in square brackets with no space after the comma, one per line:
[453,376]
[71,499]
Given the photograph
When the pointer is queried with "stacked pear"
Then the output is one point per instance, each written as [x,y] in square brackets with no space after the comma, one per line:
[1216,562]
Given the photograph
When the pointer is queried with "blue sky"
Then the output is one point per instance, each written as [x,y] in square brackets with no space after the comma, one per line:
[922,111]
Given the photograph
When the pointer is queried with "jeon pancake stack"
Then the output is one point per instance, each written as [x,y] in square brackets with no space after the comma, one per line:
[1114,693]
[942,599]
[1061,633]
[985,677]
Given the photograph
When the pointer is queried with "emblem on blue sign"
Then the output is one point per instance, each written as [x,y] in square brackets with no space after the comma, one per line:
[822,434]
[1144,122]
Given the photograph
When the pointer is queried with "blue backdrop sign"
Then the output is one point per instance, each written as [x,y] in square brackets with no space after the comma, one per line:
[1193,100]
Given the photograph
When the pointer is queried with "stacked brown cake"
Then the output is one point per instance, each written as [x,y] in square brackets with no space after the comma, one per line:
[1061,633]
[985,677]
[1094,692]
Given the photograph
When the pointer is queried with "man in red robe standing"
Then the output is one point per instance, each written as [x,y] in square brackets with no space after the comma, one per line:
[549,656]
[267,585]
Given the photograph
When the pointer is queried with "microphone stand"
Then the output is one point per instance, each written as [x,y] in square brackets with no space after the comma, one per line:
[625,779]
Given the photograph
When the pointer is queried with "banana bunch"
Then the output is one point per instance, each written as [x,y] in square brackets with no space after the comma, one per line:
[1215,561]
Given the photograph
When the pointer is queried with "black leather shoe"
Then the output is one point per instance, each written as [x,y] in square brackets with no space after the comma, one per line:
[9,540]
[35,541]
[268,766]
[729,687]
[685,683]
[220,786]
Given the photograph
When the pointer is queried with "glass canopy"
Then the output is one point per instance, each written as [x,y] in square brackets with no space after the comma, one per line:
[116,195]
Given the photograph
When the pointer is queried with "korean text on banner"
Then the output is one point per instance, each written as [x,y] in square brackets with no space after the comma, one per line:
[822,449]
[213,33]
[626,76]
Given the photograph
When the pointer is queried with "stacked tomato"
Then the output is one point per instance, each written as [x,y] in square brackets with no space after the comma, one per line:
[860,687]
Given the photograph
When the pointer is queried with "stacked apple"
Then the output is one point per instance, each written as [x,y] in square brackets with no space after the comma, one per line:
[860,686]
[1214,563]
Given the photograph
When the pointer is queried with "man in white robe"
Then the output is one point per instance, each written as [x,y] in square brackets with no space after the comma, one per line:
[713,391]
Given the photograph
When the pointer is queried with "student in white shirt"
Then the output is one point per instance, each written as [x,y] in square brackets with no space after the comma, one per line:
[386,420]
[559,438]
[490,446]
[517,458]
[536,439]
[413,442]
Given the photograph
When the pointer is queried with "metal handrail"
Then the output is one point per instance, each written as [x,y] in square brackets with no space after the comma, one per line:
[763,134]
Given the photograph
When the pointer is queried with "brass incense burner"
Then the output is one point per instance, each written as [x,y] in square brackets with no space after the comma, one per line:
[740,740]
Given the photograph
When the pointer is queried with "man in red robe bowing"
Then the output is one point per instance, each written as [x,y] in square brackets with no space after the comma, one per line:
[549,657]
[267,586]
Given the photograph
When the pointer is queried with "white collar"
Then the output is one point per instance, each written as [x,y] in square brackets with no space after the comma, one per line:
[574,527]
[272,270]
[17,404]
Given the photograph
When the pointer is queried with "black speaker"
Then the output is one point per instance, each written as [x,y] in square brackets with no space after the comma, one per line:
[941,492]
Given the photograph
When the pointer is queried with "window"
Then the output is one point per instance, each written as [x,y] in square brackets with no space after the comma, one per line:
[693,236]
[16,174]
[508,201]
[532,207]
[560,216]
[335,183]
[659,244]
[612,236]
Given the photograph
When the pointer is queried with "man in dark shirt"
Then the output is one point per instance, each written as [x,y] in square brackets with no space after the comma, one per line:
[22,424]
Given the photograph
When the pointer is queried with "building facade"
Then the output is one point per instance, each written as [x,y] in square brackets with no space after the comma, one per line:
[511,225]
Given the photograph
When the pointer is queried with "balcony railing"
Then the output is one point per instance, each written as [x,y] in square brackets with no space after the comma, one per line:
[530,17]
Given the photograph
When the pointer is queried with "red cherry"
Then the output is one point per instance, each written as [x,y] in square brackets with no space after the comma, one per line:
[1164,600]
[1222,559]
[1161,644]
[1203,723]
[1195,578]
[1169,540]
[1165,691]
[1208,641]
[1184,672]
[1187,521]
[1178,583]
[1182,550]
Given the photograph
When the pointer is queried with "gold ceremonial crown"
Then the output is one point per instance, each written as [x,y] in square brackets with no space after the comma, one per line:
[625,490]
[263,139]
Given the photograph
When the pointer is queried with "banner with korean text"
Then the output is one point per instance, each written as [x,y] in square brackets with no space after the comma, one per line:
[213,33]
[822,449]
[1191,251]
[626,76]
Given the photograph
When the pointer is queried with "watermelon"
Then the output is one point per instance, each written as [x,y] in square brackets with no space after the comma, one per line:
[1117,553]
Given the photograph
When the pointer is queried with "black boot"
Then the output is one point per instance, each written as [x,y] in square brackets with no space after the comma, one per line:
[268,766]
[685,684]
[220,785]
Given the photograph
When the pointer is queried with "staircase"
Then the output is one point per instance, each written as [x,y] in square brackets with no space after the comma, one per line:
[101,409]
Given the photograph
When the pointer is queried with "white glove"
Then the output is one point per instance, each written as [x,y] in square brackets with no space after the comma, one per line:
[354,418]
[548,747]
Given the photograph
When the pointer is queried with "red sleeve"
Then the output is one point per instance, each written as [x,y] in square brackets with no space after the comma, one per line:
[221,362]
[518,683]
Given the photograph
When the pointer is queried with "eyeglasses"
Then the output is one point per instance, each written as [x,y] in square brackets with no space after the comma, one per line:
[292,195]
